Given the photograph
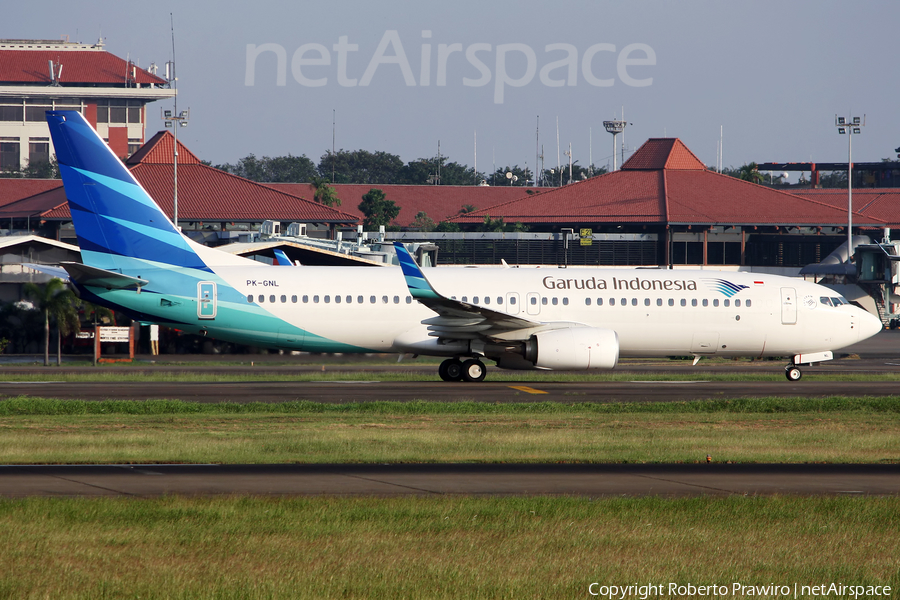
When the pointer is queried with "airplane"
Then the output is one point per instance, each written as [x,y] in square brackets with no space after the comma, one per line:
[136,261]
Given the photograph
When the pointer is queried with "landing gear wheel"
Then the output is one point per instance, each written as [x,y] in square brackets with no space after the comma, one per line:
[451,370]
[473,370]
[793,373]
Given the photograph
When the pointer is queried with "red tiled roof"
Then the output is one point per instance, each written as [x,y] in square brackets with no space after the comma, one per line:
[13,189]
[88,66]
[205,193]
[665,182]
[439,202]
[159,150]
[663,153]
[877,203]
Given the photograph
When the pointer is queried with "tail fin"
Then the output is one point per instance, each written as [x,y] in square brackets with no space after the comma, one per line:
[115,218]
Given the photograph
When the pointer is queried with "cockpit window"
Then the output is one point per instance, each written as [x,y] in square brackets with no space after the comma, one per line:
[838,301]
[825,300]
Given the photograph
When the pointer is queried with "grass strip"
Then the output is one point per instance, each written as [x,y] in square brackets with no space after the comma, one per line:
[437,547]
[27,405]
[852,430]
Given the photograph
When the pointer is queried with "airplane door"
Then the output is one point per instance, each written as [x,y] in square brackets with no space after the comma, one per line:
[206,300]
[512,303]
[533,304]
[788,306]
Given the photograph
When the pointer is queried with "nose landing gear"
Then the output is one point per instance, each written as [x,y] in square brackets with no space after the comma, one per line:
[453,369]
[792,372]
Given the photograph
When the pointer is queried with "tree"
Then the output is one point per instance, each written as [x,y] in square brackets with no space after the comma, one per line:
[497,225]
[54,299]
[424,171]
[447,227]
[377,210]
[750,172]
[423,222]
[552,177]
[280,169]
[360,166]
[520,176]
[325,194]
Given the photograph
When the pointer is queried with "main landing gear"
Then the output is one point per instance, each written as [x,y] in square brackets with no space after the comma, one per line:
[792,372]
[454,369]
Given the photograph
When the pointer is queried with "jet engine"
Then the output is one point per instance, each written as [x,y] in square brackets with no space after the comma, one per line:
[574,348]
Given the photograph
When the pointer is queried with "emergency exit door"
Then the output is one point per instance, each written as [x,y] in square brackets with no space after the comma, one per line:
[206,300]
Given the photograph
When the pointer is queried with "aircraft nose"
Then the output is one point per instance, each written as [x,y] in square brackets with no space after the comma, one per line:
[869,325]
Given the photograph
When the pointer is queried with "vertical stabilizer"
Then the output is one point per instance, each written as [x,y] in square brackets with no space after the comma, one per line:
[115,219]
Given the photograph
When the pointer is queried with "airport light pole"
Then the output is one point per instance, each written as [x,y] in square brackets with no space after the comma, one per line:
[175,121]
[849,126]
[615,128]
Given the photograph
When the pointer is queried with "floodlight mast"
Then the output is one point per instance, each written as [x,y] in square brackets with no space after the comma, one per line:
[175,119]
[615,128]
[849,126]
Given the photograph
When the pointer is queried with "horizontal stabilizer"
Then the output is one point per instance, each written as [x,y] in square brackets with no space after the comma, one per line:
[57,272]
[92,276]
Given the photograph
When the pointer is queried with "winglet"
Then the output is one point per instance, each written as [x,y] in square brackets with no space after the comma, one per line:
[281,258]
[415,279]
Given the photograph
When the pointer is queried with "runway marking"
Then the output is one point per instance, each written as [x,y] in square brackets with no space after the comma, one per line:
[673,382]
[527,390]
[30,382]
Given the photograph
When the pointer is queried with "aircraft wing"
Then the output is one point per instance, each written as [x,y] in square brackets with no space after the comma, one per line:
[456,320]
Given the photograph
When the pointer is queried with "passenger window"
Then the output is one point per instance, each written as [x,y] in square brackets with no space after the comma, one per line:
[261,299]
[624,302]
[671,301]
[512,300]
[384,299]
[283,299]
[475,300]
[396,299]
[646,301]
[715,301]
[409,299]
[659,301]
[565,301]
[634,301]
[612,301]
[726,303]
[533,301]
[487,299]
[693,302]
[371,299]
[737,303]
[349,300]
[587,301]
[683,302]
[359,299]
[272,298]
[316,299]
[328,298]
[599,301]
[294,299]
[305,299]
[555,301]
[337,299]
[544,301]
[748,303]
[705,302]
[499,299]
[250,298]
[465,298]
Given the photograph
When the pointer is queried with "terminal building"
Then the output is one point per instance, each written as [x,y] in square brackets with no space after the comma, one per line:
[41,75]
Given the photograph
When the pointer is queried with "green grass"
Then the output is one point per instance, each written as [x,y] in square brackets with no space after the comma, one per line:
[444,547]
[768,430]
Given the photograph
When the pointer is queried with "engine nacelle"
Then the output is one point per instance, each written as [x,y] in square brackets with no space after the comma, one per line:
[574,348]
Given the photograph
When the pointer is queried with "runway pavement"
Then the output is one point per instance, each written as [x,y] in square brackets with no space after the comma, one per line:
[449,479]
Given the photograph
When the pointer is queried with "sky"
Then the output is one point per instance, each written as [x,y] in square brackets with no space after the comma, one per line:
[273,78]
